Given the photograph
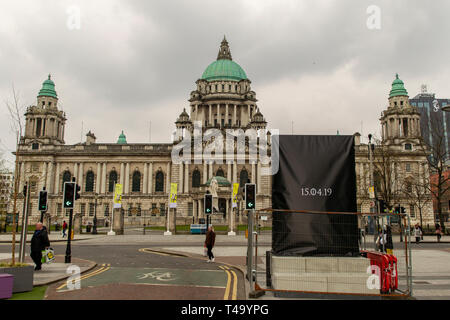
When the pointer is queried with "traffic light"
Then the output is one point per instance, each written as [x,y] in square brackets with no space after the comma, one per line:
[383,207]
[77,193]
[69,194]
[250,196]
[42,200]
[208,203]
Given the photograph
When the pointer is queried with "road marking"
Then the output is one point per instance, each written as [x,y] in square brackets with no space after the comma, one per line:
[227,289]
[147,250]
[234,295]
[102,269]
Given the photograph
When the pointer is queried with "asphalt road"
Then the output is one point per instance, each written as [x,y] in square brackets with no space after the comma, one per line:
[129,272]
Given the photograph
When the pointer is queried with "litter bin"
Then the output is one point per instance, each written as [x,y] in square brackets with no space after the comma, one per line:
[88,228]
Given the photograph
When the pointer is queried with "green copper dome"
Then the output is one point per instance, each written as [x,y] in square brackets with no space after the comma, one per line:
[122,139]
[398,88]
[224,70]
[48,89]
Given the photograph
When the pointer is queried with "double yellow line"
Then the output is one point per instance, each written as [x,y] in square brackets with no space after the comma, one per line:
[228,288]
[103,268]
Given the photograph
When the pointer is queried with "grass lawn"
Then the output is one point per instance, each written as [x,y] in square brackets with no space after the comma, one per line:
[37,293]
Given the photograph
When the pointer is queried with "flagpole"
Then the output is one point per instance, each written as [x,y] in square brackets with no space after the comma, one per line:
[111,232]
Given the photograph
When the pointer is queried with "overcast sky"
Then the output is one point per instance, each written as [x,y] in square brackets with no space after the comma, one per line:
[314,64]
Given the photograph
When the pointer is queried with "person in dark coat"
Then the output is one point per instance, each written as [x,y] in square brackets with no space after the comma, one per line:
[209,242]
[389,243]
[39,242]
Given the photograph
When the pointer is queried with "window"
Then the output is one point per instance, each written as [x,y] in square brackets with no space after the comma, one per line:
[159,182]
[89,187]
[107,210]
[196,179]
[162,209]
[136,187]
[412,212]
[66,178]
[35,146]
[223,87]
[83,209]
[220,173]
[243,178]
[112,180]
[91,209]
[33,185]
[190,209]
[59,208]
[138,213]
[408,146]
[154,209]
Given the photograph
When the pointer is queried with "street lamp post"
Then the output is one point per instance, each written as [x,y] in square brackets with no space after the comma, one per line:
[94,229]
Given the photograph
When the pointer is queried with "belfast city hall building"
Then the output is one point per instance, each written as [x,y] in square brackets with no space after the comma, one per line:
[223,100]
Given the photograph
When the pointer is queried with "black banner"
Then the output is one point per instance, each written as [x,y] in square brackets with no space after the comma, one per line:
[315,173]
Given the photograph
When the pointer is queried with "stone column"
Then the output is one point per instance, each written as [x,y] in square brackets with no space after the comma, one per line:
[80,176]
[44,176]
[253,173]
[76,224]
[186,178]
[57,178]
[75,171]
[258,179]
[235,180]
[234,115]
[117,221]
[200,209]
[210,115]
[218,114]
[229,172]
[248,111]
[50,178]
[168,178]
[127,178]
[122,173]
[145,183]
[226,114]
[211,169]
[99,175]
[150,178]
[194,208]
[103,190]
[180,177]
[205,171]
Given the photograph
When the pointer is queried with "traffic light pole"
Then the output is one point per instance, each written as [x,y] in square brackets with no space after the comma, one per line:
[68,258]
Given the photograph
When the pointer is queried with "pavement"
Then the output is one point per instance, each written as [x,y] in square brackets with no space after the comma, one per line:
[55,271]
[431,274]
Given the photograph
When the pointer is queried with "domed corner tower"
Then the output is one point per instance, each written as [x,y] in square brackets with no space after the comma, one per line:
[44,123]
[182,124]
[223,98]
[400,123]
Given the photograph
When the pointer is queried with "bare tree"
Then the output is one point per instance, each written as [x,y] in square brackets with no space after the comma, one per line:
[15,112]
[437,156]
[416,190]
[385,175]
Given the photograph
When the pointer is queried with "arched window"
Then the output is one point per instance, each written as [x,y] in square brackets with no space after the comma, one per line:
[136,187]
[112,180]
[89,182]
[195,179]
[243,178]
[66,178]
[220,173]
[159,182]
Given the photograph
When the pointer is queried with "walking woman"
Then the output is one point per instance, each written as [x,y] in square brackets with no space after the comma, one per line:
[209,242]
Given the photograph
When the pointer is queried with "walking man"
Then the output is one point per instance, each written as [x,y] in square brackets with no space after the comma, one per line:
[39,242]
[209,242]
[438,232]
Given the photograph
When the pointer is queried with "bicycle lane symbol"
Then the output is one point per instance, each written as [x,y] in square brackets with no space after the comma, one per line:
[157,275]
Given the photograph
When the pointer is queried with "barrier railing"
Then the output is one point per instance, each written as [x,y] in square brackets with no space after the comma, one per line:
[380,265]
